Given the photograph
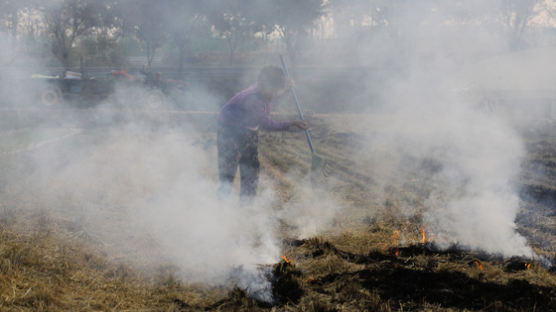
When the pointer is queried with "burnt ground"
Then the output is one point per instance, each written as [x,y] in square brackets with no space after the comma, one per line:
[52,264]
[537,218]
[408,278]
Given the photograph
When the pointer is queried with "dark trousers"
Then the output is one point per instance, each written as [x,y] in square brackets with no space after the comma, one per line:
[238,147]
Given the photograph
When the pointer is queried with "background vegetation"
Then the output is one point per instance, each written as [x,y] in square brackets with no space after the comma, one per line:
[173,33]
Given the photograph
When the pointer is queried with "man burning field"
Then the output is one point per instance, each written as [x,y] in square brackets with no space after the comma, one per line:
[238,125]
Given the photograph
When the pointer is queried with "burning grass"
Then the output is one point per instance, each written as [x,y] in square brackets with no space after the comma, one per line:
[43,272]
[420,277]
[379,262]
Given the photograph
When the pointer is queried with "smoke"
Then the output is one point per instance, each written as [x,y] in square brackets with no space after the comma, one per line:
[470,159]
[139,180]
[149,196]
[430,129]
[142,179]
[137,176]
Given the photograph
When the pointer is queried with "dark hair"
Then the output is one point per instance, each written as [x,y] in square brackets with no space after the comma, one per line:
[271,77]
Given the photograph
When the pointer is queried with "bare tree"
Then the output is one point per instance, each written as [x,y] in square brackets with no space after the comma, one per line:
[233,20]
[69,20]
[356,13]
[148,21]
[291,18]
[184,17]
[517,15]
[10,13]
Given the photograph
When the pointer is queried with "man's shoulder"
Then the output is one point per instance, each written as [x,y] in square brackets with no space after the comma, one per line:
[248,99]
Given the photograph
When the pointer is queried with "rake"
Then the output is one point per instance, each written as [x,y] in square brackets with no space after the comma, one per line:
[317,162]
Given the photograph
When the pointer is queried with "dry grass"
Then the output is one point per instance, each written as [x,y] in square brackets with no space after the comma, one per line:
[48,263]
[44,271]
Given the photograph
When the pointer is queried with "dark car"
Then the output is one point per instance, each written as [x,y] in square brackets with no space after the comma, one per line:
[86,92]
[53,90]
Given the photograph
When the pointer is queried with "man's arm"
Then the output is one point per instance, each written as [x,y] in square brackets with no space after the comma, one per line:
[272,125]
[269,124]
[256,107]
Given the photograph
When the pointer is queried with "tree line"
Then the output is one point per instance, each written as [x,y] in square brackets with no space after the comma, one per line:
[67,23]
[71,29]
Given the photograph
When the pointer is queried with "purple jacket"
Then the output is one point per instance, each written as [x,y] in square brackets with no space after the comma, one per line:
[248,109]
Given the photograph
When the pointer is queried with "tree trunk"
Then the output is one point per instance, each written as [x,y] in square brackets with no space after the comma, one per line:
[183,44]
[231,50]
[181,55]
[150,56]
[65,51]
[66,60]
[15,22]
[515,35]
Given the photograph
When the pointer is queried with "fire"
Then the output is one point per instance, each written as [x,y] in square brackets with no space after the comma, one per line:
[527,266]
[478,264]
[426,236]
[395,237]
[288,261]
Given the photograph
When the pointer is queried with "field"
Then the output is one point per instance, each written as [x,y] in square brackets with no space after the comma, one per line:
[370,257]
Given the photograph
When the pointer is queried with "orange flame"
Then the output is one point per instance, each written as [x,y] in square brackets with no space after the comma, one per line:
[478,264]
[424,239]
[288,261]
[527,266]
[395,237]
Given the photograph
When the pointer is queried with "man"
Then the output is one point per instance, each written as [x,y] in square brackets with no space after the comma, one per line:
[238,124]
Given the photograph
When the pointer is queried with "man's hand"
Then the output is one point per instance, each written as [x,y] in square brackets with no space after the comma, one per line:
[300,124]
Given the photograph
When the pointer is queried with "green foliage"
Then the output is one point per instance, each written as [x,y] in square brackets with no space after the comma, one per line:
[292,19]
[70,20]
[111,30]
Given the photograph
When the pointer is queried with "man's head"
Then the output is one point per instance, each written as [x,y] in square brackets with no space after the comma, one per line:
[271,81]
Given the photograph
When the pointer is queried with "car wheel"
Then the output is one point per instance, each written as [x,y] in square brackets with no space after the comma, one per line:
[155,99]
[51,96]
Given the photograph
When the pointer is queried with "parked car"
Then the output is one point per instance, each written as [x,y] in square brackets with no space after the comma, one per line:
[86,92]
[54,90]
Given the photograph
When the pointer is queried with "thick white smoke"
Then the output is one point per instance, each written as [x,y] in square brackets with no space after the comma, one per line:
[473,165]
[431,114]
[141,181]
[145,185]
[131,184]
